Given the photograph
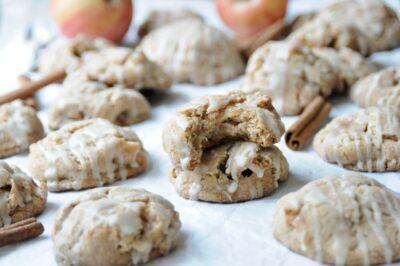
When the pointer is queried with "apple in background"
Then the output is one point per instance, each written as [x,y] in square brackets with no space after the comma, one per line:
[249,17]
[109,19]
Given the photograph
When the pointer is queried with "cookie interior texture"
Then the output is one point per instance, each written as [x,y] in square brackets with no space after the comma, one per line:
[115,226]
[214,119]
[19,127]
[232,172]
[346,220]
[20,196]
[366,140]
[87,154]
[366,26]
[293,74]
[83,98]
[199,54]
[378,89]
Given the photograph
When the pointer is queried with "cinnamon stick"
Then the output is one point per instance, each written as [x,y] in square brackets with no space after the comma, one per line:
[310,120]
[30,100]
[22,230]
[249,44]
[30,88]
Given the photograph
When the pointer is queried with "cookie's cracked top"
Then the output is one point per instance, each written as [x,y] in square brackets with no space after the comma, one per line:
[87,154]
[20,196]
[115,226]
[366,140]
[342,220]
[192,51]
[214,119]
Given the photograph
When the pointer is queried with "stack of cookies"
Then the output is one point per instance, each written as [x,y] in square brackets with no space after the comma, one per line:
[222,148]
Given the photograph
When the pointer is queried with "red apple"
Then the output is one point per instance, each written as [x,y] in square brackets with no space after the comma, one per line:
[249,17]
[109,19]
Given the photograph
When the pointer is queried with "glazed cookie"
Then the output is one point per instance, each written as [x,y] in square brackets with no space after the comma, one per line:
[378,89]
[232,172]
[159,18]
[366,26]
[346,220]
[60,54]
[367,140]
[294,74]
[213,119]
[198,54]
[82,98]
[20,196]
[115,226]
[125,67]
[19,127]
[87,154]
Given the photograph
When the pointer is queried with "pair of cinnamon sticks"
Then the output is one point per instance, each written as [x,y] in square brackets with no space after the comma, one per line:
[310,120]
[22,230]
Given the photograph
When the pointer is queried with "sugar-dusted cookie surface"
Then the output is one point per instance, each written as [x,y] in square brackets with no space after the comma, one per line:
[20,196]
[159,18]
[61,54]
[87,154]
[213,119]
[378,89]
[341,220]
[19,127]
[366,26]
[366,140]
[115,226]
[82,98]
[123,66]
[232,172]
[192,51]
[293,74]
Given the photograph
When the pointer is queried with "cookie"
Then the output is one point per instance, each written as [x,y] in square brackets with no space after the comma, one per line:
[198,54]
[123,66]
[232,172]
[115,226]
[366,26]
[20,196]
[341,220]
[61,54]
[213,119]
[19,127]
[159,18]
[82,98]
[366,140]
[378,89]
[87,154]
[293,74]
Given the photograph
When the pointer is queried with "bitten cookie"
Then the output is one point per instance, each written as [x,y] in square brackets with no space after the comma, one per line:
[192,51]
[123,66]
[213,119]
[115,226]
[61,54]
[159,18]
[19,127]
[232,172]
[366,26]
[293,74]
[20,196]
[378,89]
[82,98]
[367,140]
[346,220]
[87,154]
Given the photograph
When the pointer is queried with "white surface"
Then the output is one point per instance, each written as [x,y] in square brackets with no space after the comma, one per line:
[212,234]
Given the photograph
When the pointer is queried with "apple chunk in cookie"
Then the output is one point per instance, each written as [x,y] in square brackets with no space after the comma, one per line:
[233,172]
[87,154]
[213,119]
[341,220]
